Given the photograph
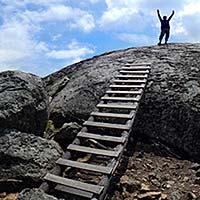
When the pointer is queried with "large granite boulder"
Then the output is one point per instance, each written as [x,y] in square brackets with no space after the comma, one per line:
[23,102]
[170,109]
[25,159]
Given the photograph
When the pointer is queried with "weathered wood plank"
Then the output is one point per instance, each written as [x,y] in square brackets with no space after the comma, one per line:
[102,137]
[85,166]
[136,92]
[127,86]
[136,68]
[106,125]
[134,72]
[74,184]
[74,191]
[117,106]
[120,99]
[130,81]
[137,64]
[111,115]
[133,76]
[95,151]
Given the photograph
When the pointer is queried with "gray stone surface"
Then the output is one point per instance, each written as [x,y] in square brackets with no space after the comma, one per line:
[64,135]
[170,109]
[23,102]
[25,159]
[34,194]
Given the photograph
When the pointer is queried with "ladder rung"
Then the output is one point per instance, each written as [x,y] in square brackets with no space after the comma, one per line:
[117,106]
[136,68]
[120,99]
[130,81]
[112,115]
[74,191]
[95,151]
[138,92]
[127,86]
[137,64]
[106,125]
[102,137]
[85,166]
[132,76]
[74,184]
[134,72]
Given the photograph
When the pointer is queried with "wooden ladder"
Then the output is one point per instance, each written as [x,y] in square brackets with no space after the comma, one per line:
[102,140]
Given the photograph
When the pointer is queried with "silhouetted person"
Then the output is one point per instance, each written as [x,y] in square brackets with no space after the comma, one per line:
[165,28]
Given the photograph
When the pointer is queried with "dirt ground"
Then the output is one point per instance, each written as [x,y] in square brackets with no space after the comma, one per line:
[152,171]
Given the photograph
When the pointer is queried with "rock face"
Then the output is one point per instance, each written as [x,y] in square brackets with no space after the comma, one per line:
[34,194]
[25,159]
[23,102]
[170,108]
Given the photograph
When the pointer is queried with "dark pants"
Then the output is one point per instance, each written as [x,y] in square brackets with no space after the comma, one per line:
[164,31]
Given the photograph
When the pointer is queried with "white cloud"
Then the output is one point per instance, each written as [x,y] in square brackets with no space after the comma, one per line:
[191,8]
[133,19]
[33,32]
[72,17]
[16,44]
[117,14]
[56,37]
[21,45]
[186,24]
[74,51]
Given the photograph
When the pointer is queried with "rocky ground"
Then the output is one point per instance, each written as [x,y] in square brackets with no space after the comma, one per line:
[153,171]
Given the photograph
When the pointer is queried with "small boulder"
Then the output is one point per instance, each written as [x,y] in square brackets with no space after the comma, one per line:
[23,102]
[25,159]
[64,135]
[67,134]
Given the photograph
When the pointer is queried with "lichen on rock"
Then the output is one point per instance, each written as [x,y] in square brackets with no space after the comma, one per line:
[25,159]
[23,102]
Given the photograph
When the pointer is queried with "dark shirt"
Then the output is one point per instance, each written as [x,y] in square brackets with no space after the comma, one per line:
[165,24]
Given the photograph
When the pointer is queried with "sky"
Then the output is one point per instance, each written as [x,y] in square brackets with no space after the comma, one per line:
[43,36]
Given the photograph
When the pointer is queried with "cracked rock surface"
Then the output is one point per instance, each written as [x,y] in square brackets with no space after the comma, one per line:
[23,102]
[25,159]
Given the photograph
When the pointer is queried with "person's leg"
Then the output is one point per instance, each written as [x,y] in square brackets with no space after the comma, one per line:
[166,36]
[161,36]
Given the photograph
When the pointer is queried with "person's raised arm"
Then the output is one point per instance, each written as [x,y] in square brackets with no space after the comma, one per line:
[158,12]
[171,15]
